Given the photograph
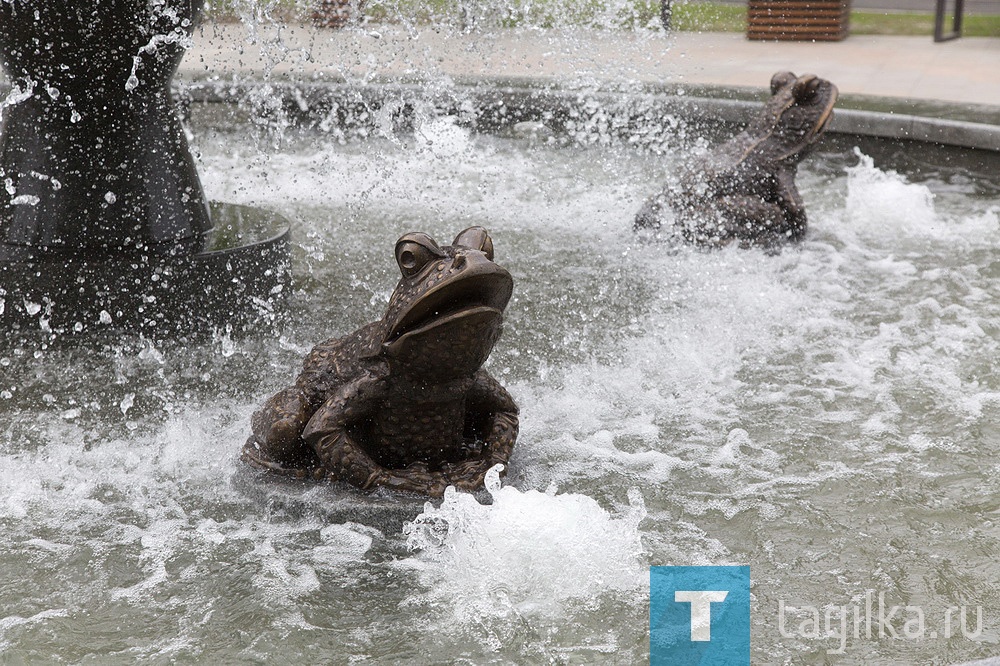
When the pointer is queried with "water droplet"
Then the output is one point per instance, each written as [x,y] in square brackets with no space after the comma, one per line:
[226,341]
[151,353]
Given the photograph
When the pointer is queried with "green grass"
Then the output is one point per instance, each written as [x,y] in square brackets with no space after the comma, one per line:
[709,17]
[872,23]
[687,15]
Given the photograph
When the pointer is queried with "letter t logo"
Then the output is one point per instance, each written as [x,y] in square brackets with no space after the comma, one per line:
[701,610]
[699,615]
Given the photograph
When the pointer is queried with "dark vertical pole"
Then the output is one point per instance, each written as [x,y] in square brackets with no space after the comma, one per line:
[956,21]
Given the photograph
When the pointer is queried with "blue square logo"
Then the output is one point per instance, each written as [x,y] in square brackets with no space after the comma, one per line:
[699,615]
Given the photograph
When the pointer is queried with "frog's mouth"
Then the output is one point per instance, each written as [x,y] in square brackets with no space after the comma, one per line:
[802,127]
[825,114]
[479,294]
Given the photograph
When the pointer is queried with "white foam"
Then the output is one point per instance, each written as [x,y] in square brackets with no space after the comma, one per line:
[344,544]
[529,551]
[884,205]
[442,138]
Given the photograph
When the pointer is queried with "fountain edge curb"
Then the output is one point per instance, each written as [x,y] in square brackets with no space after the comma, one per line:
[541,94]
[534,98]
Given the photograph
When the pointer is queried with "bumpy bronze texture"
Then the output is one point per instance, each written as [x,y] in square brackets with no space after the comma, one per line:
[403,402]
[744,190]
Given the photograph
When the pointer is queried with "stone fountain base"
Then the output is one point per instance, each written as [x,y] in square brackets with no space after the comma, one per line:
[238,281]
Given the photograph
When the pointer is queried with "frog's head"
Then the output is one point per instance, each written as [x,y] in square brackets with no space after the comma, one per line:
[794,118]
[447,310]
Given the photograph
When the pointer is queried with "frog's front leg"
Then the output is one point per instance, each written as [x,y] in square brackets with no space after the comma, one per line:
[747,219]
[344,459]
[791,204]
[494,414]
[745,214]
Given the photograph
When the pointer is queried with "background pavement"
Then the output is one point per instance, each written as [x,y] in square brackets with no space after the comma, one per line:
[962,71]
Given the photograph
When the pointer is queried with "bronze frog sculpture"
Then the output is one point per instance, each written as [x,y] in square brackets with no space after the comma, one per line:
[403,402]
[744,190]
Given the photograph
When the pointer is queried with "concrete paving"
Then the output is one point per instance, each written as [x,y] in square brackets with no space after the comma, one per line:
[963,71]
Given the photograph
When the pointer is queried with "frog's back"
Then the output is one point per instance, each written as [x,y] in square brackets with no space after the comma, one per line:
[276,439]
[334,362]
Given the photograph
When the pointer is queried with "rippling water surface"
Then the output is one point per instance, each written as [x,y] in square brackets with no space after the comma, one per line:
[826,415]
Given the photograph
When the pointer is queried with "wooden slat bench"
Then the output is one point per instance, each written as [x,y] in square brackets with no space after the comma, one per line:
[801,20]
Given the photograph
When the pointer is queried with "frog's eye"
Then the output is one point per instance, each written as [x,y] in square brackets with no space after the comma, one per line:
[780,80]
[475,238]
[806,87]
[414,251]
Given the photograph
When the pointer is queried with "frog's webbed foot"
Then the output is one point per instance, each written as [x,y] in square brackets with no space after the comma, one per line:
[254,454]
[276,444]
[416,478]
[470,475]
[344,460]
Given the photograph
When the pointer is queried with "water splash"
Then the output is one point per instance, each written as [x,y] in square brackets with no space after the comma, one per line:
[884,203]
[442,138]
[766,405]
[529,551]
[20,90]
[179,35]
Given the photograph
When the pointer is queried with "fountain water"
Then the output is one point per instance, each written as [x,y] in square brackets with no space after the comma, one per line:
[826,414]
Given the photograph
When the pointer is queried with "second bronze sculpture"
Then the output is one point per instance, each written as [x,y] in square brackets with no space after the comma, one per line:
[743,191]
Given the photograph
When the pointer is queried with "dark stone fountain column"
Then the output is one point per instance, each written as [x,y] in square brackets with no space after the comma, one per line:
[94,160]
[102,215]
